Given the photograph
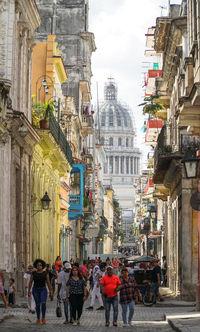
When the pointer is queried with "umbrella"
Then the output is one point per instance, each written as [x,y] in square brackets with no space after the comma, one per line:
[133,258]
[144,259]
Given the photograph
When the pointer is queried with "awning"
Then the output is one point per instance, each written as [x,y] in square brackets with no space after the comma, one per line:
[83,240]
[155,235]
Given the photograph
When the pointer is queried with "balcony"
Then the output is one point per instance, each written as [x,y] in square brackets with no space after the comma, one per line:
[165,159]
[87,120]
[149,187]
[76,200]
[153,129]
[60,138]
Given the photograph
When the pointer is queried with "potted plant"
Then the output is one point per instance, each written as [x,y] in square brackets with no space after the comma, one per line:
[150,106]
[41,112]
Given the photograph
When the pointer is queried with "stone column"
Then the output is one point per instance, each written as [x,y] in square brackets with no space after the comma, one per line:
[188,269]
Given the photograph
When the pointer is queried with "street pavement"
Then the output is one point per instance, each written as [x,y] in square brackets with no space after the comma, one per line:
[146,319]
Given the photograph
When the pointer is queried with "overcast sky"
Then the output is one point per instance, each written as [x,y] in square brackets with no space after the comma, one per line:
[119,27]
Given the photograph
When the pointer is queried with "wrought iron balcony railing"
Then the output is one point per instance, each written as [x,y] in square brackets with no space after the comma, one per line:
[60,138]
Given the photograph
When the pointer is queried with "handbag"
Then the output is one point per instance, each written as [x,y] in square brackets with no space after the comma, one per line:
[58,309]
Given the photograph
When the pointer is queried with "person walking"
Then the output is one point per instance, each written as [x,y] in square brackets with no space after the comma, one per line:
[115,265]
[31,301]
[39,279]
[11,292]
[58,264]
[109,284]
[63,278]
[127,295]
[76,294]
[98,273]
[2,280]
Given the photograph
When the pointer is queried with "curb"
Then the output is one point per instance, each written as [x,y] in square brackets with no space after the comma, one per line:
[176,327]
[6,317]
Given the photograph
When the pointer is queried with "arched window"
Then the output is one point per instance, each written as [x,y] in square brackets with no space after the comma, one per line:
[110,118]
[126,142]
[103,119]
[119,141]
[102,141]
[111,141]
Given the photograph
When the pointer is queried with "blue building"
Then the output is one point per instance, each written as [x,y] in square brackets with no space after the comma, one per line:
[76,198]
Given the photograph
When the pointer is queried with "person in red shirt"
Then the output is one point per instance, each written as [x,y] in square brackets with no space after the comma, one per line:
[84,271]
[109,284]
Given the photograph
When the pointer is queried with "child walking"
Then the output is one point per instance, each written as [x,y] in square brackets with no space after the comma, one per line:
[11,291]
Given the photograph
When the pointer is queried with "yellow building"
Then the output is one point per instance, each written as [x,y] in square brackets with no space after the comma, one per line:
[109,215]
[52,157]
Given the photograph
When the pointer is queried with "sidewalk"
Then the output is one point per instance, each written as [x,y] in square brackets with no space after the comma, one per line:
[185,322]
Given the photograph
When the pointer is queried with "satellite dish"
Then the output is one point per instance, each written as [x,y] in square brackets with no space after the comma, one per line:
[195,201]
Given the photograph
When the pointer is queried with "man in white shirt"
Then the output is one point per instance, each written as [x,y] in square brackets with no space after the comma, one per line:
[31,302]
[62,281]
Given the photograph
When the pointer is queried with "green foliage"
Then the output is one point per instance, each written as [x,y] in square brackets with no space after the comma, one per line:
[41,111]
[150,106]
[122,237]
[86,202]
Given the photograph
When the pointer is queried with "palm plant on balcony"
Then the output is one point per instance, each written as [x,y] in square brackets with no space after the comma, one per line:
[41,112]
[86,201]
[150,106]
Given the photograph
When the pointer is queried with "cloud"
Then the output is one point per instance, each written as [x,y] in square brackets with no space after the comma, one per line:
[119,27]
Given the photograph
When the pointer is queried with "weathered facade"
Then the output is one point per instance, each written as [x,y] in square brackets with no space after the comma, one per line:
[19,19]
[68,20]
[176,38]
[52,157]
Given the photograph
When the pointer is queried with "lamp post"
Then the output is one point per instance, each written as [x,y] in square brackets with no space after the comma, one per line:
[191,166]
[45,201]
[69,233]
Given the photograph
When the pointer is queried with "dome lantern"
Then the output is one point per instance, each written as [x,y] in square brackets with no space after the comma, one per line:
[110,90]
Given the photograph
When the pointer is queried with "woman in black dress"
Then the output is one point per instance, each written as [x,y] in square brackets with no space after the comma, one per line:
[39,278]
[76,293]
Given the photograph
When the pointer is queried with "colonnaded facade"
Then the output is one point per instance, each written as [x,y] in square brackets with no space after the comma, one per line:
[122,167]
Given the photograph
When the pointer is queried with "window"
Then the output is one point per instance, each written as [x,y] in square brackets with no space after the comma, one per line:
[110,118]
[117,165]
[102,140]
[122,165]
[134,165]
[131,165]
[126,142]
[106,166]
[111,165]
[119,141]
[103,119]
[111,141]
[127,165]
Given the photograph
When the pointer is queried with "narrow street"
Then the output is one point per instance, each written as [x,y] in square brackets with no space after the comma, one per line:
[146,319]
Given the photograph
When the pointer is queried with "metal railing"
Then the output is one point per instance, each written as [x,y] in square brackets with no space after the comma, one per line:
[74,199]
[60,138]
[87,120]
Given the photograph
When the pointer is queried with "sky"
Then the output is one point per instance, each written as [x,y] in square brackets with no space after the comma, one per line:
[119,27]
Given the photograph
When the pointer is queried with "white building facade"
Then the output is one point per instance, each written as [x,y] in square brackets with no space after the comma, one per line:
[122,167]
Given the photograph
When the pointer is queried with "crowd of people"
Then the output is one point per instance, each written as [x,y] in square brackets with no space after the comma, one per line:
[73,283]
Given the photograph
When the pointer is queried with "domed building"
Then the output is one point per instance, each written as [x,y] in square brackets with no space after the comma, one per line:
[117,134]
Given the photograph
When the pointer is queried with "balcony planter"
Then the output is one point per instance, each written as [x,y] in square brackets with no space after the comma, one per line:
[44,124]
[41,113]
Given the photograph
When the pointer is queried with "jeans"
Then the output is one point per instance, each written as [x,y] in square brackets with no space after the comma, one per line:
[125,307]
[114,301]
[67,309]
[40,297]
[76,301]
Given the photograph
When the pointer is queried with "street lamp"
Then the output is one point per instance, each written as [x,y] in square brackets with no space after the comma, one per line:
[190,162]
[45,201]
